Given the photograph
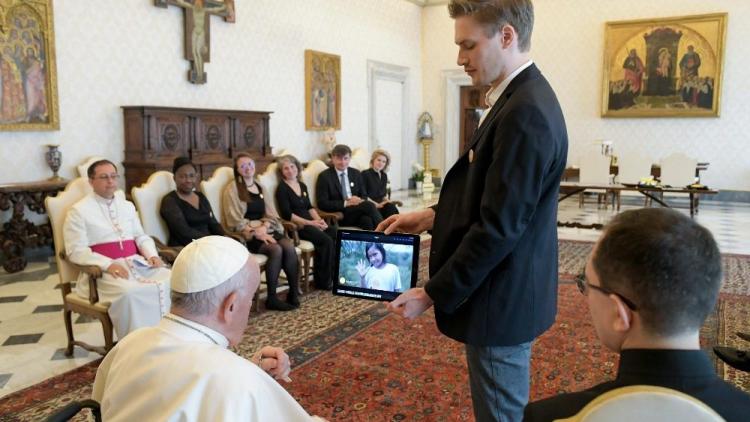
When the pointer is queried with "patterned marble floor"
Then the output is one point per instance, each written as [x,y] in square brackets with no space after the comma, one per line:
[32,334]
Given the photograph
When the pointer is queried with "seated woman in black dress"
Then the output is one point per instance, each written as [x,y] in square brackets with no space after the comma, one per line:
[294,205]
[246,214]
[186,211]
[376,182]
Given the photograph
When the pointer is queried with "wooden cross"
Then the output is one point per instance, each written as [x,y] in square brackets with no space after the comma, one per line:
[197,30]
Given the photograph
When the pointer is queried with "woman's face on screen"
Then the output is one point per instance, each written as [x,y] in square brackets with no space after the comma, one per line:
[375,257]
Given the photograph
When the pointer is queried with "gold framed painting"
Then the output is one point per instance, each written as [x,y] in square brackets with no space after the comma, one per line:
[322,91]
[665,67]
[28,93]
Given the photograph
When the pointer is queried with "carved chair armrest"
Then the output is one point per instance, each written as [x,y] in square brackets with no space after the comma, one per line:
[167,253]
[397,203]
[331,218]
[93,273]
[291,230]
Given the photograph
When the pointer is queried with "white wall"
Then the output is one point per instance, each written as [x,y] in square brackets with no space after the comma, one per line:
[567,46]
[127,52]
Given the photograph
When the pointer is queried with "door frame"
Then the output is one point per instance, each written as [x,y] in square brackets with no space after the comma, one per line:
[454,80]
[390,72]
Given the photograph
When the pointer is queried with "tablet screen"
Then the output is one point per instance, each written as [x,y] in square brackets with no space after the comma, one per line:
[372,265]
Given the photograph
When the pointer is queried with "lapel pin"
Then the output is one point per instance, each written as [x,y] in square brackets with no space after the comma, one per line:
[351,184]
[261,196]
[471,155]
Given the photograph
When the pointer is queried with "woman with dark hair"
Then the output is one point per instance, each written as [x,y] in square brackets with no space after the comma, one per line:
[378,274]
[246,214]
[294,205]
[376,182]
[186,211]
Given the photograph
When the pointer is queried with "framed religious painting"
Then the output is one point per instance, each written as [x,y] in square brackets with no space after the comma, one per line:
[666,67]
[28,79]
[322,91]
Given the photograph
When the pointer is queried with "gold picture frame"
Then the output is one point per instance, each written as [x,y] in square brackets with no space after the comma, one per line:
[322,91]
[28,98]
[664,67]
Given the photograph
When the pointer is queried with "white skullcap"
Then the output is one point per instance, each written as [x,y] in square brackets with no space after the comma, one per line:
[207,262]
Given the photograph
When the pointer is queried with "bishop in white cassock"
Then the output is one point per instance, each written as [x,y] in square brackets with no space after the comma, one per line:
[181,370]
[103,229]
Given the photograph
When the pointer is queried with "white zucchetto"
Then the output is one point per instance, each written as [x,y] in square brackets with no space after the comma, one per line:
[207,262]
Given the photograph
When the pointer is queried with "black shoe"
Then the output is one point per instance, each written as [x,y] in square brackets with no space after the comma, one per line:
[275,304]
[744,336]
[293,300]
[738,359]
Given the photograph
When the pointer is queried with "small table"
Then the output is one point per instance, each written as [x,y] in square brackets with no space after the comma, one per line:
[568,189]
[19,233]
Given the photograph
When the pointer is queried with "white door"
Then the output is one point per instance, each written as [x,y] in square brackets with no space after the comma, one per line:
[388,130]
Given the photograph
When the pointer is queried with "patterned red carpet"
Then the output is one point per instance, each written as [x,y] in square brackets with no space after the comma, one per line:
[354,362]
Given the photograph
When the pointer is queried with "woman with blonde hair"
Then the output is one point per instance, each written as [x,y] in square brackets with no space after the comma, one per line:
[294,205]
[376,182]
[246,214]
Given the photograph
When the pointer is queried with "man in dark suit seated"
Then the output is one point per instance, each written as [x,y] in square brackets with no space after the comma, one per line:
[651,280]
[341,189]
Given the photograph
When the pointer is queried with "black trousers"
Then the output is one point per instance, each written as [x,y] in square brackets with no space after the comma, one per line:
[388,210]
[324,253]
[365,216]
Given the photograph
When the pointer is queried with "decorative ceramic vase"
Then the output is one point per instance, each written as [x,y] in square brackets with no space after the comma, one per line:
[54,160]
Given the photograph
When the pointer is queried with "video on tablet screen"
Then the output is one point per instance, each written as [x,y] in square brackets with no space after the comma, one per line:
[375,263]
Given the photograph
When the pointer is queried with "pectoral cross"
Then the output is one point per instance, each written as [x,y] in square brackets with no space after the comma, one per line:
[198,30]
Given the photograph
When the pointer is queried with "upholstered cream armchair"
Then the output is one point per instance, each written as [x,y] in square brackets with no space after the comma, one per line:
[269,180]
[147,199]
[645,403]
[57,209]
[213,189]
[310,177]
[83,168]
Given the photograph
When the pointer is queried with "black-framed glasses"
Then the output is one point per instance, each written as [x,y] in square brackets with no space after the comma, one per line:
[584,285]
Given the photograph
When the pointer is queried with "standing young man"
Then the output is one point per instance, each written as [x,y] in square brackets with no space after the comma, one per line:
[493,263]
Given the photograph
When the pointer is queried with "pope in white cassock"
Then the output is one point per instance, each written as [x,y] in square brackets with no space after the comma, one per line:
[181,370]
[103,229]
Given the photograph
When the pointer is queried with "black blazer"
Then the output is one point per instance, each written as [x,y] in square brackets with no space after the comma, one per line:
[493,260]
[376,184]
[688,371]
[328,189]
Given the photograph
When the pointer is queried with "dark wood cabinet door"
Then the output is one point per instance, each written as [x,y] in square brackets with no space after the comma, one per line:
[169,136]
[251,134]
[212,137]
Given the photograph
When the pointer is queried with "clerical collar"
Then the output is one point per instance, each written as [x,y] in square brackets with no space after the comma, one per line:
[215,337]
[104,200]
[493,94]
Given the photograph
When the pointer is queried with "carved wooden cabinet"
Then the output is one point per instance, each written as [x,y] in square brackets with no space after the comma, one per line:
[155,136]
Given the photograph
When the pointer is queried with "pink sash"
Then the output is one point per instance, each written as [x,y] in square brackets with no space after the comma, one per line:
[112,249]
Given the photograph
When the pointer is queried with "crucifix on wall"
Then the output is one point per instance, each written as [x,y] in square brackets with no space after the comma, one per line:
[197,30]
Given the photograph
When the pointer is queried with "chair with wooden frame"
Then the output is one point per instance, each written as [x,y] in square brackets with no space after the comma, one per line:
[269,180]
[213,188]
[57,209]
[147,199]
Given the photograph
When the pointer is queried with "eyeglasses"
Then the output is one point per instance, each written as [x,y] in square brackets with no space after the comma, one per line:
[114,177]
[247,166]
[584,285]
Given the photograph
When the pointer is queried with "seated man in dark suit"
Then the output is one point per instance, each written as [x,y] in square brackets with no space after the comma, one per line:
[651,280]
[341,189]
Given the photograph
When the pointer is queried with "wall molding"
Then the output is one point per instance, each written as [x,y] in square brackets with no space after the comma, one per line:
[453,79]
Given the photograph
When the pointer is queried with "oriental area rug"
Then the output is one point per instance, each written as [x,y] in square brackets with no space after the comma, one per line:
[354,362]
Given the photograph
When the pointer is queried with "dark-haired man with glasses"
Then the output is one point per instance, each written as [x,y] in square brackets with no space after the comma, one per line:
[650,282]
[102,229]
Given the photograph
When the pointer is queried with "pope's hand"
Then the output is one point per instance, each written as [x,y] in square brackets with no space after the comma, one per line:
[276,362]
[411,303]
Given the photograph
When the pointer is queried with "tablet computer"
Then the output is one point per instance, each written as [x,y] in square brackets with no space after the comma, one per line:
[373,265]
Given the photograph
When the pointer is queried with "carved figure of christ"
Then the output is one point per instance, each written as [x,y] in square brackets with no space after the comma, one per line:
[197,30]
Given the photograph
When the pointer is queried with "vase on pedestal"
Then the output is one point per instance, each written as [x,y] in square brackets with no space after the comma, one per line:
[53,156]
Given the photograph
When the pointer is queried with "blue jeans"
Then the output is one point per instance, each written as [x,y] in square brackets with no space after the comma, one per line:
[499,379]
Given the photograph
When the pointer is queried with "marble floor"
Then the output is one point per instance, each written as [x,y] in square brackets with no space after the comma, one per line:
[32,335]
